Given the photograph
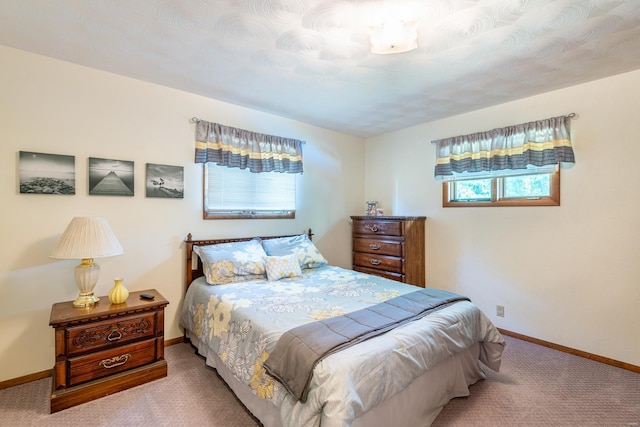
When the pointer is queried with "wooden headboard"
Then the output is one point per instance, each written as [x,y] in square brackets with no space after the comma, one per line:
[194,265]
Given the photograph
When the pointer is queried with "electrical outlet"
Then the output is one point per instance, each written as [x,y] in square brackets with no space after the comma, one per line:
[500,310]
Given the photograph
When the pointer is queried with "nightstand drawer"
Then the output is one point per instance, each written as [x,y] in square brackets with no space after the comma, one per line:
[379,262]
[375,246]
[388,228]
[107,362]
[81,339]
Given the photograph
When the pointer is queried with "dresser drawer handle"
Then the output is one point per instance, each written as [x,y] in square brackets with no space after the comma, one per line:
[373,228]
[114,361]
[375,261]
[115,335]
[374,246]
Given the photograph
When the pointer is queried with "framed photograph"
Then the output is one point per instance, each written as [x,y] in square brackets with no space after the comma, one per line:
[109,177]
[42,173]
[372,208]
[165,181]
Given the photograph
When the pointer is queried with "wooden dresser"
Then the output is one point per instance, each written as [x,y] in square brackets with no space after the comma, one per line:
[390,246]
[106,348]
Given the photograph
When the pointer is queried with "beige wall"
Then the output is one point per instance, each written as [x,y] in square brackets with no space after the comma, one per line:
[568,274]
[55,107]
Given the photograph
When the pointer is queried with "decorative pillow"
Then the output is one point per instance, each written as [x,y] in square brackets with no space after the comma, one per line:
[282,266]
[232,262]
[308,255]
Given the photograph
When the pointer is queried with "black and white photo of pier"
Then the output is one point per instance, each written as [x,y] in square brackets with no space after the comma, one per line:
[110,177]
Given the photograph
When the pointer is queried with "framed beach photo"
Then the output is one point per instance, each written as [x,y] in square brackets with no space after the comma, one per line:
[42,173]
[165,181]
[109,177]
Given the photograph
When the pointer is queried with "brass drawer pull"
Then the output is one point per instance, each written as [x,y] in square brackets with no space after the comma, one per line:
[115,335]
[114,361]
[374,247]
[375,261]
[373,228]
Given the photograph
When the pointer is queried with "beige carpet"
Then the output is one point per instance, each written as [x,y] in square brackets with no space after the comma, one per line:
[536,387]
[191,395]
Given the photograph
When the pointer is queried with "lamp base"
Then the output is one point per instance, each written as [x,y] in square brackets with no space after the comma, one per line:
[86,274]
[86,300]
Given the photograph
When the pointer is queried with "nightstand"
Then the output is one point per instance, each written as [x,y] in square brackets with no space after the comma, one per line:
[106,348]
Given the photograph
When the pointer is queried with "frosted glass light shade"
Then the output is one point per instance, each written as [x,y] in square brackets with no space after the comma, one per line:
[394,36]
[87,238]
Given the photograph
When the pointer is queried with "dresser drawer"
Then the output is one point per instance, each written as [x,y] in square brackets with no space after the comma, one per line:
[386,274]
[379,262]
[377,246]
[377,227]
[107,362]
[81,339]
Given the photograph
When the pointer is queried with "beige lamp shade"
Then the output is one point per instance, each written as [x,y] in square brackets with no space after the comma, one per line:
[87,238]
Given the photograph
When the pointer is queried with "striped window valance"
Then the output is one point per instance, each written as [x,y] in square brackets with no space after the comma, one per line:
[514,150]
[239,148]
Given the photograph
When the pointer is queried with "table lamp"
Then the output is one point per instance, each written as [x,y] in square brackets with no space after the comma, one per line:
[87,238]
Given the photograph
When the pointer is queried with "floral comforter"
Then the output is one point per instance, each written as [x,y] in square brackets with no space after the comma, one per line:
[241,322]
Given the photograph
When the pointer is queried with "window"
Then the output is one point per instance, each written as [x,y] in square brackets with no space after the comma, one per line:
[541,189]
[512,166]
[238,193]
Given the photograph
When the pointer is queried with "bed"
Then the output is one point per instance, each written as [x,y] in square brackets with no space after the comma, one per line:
[243,294]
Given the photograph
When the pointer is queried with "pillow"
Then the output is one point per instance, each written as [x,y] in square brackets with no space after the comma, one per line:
[232,262]
[282,266]
[308,255]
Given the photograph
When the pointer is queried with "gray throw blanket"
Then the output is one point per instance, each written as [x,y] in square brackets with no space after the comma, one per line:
[299,350]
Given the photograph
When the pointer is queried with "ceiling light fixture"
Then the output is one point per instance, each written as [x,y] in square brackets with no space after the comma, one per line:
[394,36]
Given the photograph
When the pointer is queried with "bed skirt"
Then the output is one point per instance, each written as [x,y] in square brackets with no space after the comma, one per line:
[417,405]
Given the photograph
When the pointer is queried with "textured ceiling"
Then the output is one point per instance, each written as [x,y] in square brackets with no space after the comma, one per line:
[309,60]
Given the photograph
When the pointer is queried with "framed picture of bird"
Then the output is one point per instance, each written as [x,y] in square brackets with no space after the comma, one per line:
[165,181]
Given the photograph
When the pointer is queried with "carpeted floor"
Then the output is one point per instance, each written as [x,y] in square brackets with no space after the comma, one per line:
[536,387]
[191,395]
